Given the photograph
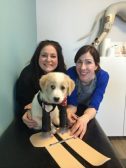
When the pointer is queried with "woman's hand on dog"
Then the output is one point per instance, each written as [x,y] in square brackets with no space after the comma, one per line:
[27,119]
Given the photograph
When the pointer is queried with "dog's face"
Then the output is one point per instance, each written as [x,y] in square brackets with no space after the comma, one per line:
[55,87]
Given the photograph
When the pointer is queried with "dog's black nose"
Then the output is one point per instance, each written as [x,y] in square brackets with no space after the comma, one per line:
[56,99]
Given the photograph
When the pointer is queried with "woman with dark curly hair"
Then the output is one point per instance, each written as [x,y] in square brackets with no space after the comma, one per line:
[47,57]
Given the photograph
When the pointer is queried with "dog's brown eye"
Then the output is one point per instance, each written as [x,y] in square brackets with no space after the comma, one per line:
[52,87]
[62,87]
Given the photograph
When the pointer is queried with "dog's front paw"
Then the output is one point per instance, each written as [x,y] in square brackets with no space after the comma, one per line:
[53,129]
[62,130]
[46,134]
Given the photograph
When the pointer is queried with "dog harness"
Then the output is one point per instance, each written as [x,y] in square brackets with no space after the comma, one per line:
[43,104]
[46,121]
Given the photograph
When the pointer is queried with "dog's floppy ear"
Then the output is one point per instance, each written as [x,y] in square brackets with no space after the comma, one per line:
[71,85]
[43,82]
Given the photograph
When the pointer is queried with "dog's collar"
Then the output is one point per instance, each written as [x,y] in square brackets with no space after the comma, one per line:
[43,104]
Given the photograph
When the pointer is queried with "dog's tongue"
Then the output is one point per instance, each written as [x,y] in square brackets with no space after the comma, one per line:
[64,102]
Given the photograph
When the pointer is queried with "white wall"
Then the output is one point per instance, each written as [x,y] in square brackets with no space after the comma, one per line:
[68,20]
[112,111]
[17,42]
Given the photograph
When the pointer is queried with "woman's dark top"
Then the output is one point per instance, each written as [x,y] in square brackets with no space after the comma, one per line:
[27,86]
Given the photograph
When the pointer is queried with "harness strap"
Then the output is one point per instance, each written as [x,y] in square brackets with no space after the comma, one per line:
[43,103]
[46,126]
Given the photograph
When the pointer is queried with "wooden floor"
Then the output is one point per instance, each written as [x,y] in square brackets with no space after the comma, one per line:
[119,146]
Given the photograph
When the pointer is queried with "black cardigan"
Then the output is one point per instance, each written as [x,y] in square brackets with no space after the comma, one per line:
[27,86]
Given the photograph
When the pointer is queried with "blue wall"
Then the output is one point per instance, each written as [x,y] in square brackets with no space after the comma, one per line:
[17,43]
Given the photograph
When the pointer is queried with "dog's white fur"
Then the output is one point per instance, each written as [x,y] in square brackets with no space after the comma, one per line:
[55,86]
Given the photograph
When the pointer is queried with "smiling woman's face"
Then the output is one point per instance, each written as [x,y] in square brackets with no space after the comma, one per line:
[85,67]
[48,59]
